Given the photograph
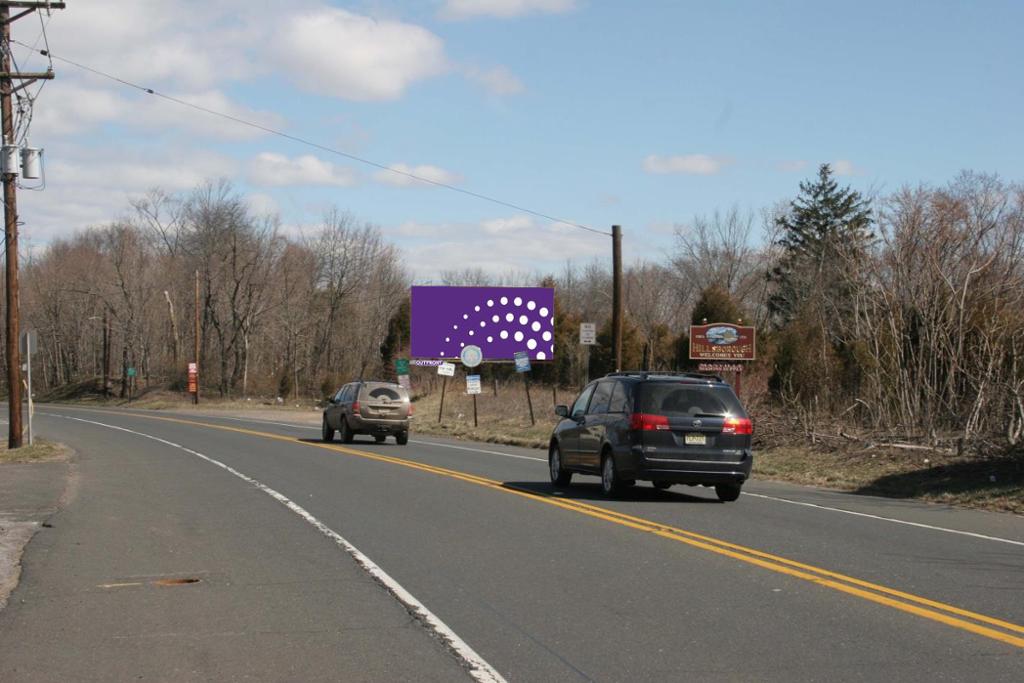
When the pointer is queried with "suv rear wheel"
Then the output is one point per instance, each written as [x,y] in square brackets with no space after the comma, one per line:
[345,432]
[402,438]
[559,475]
[326,433]
[727,492]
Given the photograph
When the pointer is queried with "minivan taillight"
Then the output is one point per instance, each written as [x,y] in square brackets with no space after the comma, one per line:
[646,422]
[738,425]
[355,407]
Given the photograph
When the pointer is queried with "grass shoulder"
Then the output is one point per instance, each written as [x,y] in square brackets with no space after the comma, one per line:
[40,451]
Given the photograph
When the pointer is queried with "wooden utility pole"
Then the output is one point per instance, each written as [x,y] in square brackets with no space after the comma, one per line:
[617,296]
[106,352]
[10,174]
[195,396]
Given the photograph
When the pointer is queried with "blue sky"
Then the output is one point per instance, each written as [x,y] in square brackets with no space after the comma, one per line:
[598,112]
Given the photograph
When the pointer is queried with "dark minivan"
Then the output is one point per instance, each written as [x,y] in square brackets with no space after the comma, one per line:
[666,428]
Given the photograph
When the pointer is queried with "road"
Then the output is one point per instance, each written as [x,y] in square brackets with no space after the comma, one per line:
[443,560]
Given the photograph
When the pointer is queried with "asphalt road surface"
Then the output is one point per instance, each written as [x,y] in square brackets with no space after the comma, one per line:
[445,560]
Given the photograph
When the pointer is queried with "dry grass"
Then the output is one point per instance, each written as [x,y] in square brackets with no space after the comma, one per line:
[503,419]
[40,451]
[992,483]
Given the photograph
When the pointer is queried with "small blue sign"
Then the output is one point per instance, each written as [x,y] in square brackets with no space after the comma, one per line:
[522,361]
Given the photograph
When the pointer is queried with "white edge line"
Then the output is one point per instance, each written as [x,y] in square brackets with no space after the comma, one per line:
[478,668]
[887,519]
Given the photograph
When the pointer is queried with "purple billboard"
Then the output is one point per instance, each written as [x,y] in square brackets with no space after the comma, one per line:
[500,320]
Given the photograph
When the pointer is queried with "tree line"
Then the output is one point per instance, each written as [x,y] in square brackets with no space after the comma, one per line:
[900,312]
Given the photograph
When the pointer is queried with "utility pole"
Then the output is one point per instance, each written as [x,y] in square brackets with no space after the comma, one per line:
[195,396]
[106,351]
[10,172]
[617,295]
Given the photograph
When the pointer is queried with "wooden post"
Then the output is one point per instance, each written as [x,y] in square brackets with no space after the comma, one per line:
[617,296]
[474,412]
[440,410]
[526,382]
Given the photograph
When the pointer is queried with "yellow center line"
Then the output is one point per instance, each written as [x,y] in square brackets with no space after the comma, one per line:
[882,595]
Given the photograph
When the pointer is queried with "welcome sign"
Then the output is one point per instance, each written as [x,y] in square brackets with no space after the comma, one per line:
[722,341]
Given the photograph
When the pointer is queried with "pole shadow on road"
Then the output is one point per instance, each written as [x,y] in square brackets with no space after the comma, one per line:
[587,491]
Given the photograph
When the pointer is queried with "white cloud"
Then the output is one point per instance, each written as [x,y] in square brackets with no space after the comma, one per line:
[498,80]
[689,164]
[503,9]
[346,55]
[262,203]
[498,246]
[503,226]
[425,171]
[72,107]
[86,189]
[792,166]
[844,167]
[269,169]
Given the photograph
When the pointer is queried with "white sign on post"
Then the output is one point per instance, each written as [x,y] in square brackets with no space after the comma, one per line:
[588,334]
[473,384]
[446,369]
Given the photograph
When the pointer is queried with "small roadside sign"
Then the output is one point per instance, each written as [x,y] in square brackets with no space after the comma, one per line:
[446,369]
[27,342]
[404,382]
[193,368]
[522,361]
[471,356]
[131,372]
[473,384]
[402,366]
[588,334]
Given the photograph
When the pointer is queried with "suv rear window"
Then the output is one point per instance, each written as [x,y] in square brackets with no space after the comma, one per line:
[391,392]
[682,399]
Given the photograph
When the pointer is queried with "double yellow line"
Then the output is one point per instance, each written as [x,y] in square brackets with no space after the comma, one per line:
[979,624]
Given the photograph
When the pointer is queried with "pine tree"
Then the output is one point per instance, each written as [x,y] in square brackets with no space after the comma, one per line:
[825,239]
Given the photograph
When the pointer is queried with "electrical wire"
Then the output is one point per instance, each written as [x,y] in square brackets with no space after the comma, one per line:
[311,143]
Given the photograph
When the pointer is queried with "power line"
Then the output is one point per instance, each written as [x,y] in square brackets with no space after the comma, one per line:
[310,143]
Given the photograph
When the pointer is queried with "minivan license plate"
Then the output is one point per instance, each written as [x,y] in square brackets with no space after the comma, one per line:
[695,440]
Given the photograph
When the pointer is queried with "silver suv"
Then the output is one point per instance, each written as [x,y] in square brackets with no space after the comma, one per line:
[381,409]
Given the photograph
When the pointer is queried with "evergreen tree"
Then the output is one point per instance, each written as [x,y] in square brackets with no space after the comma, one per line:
[825,238]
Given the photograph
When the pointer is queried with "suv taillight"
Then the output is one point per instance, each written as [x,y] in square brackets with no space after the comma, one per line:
[412,409]
[645,422]
[738,425]
[355,407]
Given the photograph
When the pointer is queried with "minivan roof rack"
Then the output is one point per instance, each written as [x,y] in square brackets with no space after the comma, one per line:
[644,374]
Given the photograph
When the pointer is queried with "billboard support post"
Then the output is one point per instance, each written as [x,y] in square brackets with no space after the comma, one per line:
[440,410]
[526,381]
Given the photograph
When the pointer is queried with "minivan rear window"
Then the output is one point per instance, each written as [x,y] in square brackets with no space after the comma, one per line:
[689,400]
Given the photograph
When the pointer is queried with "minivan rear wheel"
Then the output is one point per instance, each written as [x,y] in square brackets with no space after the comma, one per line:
[727,492]
[559,475]
[611,484]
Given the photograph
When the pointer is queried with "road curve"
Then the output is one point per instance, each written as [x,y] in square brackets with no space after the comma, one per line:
[789,583]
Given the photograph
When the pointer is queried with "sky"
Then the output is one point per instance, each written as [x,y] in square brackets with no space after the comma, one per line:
[596,112]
